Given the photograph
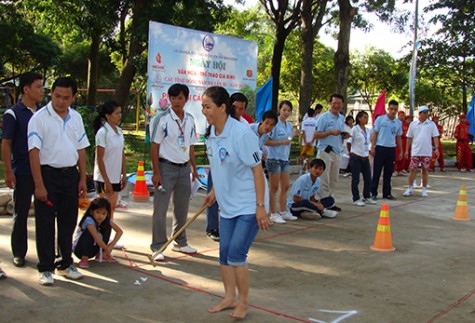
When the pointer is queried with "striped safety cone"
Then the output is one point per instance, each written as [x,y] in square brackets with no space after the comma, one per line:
[382,240]
[461,210]
[140,193]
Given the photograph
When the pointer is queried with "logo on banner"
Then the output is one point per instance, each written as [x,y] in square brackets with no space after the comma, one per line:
[249,72]
[159,58]
[208,42]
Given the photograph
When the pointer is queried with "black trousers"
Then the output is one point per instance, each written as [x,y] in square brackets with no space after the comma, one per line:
[384,157]
[87,246]
[62,188]
[24,189]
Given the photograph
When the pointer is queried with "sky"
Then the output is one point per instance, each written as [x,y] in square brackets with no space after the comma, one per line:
[381,36]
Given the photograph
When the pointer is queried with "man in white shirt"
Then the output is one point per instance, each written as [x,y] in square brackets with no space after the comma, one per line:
[57,144]
[419,138]
[173,134]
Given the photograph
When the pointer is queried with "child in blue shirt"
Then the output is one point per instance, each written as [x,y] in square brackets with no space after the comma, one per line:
[301,201]
[93,233]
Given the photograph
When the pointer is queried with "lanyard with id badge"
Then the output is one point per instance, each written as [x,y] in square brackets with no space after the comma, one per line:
[181,137]
[365,144]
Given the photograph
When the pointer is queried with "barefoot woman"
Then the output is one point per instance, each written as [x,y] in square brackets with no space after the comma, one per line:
[239,188]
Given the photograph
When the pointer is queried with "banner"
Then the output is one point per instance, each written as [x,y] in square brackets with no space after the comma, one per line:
[264,99]
[471,117]
[199,60]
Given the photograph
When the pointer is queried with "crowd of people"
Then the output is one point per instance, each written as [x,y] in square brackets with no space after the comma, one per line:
[248,183]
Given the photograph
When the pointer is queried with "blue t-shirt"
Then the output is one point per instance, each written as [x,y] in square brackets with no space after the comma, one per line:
[232,155]
[329,121]
[304,188]
[262,139]
[15,128]
[282,131]
[387,130]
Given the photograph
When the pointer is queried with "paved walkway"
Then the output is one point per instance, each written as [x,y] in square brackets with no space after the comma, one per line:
[304,271]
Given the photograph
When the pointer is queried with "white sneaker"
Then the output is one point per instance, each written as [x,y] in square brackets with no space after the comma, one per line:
[408,192]
[277,218]
[424,192]
[329,213]
[159,257]
[369,200]
[46,278]
[310,215]
[359,202]
[414,185]
[185,249]
[70,272]
[288,216]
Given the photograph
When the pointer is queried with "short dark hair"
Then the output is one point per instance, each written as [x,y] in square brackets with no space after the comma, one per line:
[178,88]
[27,79]
[270,114]
[393,102]
[318,162]
[240,97]
[359,116]
[286,102]
[310,112]
[336,95]
[66,82]
[318,106]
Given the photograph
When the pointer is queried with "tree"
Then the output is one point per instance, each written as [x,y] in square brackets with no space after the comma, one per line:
[23,48]
[285,18]
[374,70]
[453,47]
[348,16]
[312,15]
[322,67]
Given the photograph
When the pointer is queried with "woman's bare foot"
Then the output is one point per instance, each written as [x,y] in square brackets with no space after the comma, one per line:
[223,305]
[240,311]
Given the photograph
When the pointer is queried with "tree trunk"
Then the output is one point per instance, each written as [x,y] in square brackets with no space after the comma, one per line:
[309,33]
[135,49]
[276,64]
[93,70]
[307,57]
[342,55]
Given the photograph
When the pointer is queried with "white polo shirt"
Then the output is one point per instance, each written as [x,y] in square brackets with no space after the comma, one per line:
[360,141]
[58,140]
[232,156]
[309,126]
[422,134]
[173,135]
[113,144]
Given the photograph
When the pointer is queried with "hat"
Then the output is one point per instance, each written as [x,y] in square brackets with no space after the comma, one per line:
[408,117]
[463,116]
[400,112]
[423,108]
[435,118]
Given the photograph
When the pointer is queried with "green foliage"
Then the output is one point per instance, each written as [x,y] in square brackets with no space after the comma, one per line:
[88,116]
[374,70]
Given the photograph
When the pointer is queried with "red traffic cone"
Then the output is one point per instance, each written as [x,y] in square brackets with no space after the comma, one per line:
[140,193]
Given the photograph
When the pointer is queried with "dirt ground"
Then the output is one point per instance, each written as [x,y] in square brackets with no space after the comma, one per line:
[305,271]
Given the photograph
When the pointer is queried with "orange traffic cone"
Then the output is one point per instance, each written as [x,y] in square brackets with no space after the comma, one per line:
[461,210]
[140,193]
[382,240]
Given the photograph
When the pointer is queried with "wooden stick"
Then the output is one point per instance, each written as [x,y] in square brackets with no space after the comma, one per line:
[183,228]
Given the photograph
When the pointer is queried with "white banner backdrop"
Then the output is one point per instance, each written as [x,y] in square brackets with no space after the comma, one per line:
[199,60]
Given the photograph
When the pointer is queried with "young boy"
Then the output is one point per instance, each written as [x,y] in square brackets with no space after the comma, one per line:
[262,129]
[301,201]
[307,150]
